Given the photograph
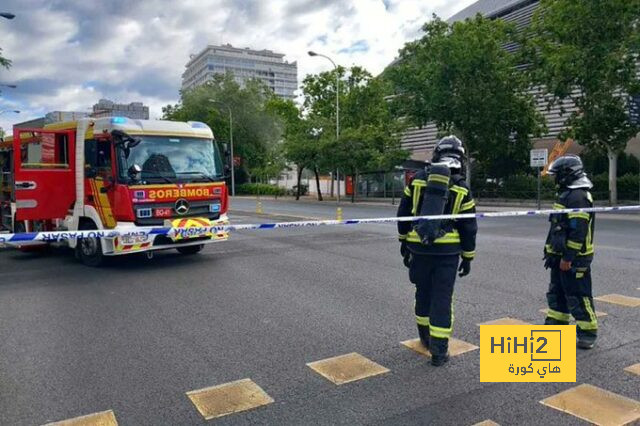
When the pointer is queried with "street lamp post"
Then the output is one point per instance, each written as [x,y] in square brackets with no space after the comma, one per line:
[312,53]
[233,178]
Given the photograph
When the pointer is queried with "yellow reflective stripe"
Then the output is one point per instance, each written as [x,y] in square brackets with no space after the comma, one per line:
[417,185]
[549,249]
[448,238]
[468,205]
[578,215]
[407,191]
[574,245]
[468,254]
[589,197]
[438,178]
[593,324]
[558,206]
[560,316]
[457,204]
[459,189]
[443,333]
[413,237]
[452,237]
[422,320]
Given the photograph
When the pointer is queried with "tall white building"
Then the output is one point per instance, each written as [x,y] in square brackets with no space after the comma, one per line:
[245,64]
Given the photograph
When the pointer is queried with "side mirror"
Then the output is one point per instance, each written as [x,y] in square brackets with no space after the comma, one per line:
[134,172]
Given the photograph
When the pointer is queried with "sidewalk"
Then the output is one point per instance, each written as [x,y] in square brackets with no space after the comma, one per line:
[483,205]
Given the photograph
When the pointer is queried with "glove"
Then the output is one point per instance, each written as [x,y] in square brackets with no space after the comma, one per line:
[549,262]
[465,268]
[406,254]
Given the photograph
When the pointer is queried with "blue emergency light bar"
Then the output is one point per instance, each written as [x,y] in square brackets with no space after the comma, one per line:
[118,120]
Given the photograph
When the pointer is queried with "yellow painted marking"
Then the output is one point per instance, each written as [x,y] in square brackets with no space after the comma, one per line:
[598,313]
[456,347]
[229,398]
[347,368]
[595,405]
[619,299]
[487,423]
[103,418]
[505,321]
[634,369]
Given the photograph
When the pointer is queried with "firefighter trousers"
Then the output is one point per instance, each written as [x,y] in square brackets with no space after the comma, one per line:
[434,277]
[570,295]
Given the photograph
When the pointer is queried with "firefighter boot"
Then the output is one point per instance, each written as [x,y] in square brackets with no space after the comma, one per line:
[423,332]
[439,349]
[586,340]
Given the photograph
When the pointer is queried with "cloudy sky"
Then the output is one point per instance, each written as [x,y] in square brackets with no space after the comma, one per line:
[67,54]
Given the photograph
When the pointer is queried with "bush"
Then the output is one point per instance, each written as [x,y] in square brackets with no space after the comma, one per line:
[627,187]
[304,190]
[259,189]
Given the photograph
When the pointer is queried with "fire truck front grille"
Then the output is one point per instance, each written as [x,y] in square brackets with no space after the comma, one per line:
[196,209]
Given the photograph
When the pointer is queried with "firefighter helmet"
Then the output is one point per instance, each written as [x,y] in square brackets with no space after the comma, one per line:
[449,150]
[568,171]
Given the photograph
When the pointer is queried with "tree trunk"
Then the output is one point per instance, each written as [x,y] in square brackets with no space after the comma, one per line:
[613,176]
[332,175]
[354,187]
[315,170]
[299,179]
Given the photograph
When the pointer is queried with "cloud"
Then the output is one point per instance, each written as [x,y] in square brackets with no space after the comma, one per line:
[67,54]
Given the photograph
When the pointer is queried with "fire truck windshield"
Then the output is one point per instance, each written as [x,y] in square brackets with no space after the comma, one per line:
[169,159]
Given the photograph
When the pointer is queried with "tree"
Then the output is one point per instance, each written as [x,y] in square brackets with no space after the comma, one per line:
[300,139]
[255,129]
[461,77]
[587,52]
[369,135]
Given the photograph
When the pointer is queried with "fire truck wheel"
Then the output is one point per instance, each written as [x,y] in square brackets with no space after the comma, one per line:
[190,249]
[89,250]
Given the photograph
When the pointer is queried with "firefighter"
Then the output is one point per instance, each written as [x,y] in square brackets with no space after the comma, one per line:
[432,249]
[569,251]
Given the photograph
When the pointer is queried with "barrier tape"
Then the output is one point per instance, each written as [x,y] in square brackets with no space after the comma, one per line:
[57,236]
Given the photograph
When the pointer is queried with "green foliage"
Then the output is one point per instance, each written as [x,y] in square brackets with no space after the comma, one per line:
[628,186]
[255,130]
[259,189]
[587,51]
[595,163]
[461,77]
[369,134]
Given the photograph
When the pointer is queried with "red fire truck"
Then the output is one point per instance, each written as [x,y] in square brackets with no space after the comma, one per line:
[117,174]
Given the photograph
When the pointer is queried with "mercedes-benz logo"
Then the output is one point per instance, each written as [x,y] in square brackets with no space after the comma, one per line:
[182,206]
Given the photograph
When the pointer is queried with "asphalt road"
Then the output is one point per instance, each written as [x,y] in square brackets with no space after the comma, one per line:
[138,334]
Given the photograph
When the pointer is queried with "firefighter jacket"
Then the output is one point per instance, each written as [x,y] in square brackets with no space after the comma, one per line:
[458,236]
[571,234]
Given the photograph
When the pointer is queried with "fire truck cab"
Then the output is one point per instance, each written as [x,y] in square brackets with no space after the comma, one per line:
[115,173]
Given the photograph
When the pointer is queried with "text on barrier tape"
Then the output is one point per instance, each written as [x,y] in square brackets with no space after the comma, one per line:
[55,236]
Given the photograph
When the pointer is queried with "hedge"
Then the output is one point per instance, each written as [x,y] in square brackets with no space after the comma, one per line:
[526,187]
[259,189]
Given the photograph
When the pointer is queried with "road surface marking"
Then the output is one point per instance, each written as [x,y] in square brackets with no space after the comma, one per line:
[456,347]
[619,299]
[505,321]
[347,368]
[595,405]
[488,422]
[598,313]
[229,398]
[103,418]
[635,369]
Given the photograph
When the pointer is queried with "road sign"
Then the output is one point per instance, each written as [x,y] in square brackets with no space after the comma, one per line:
[539,157]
